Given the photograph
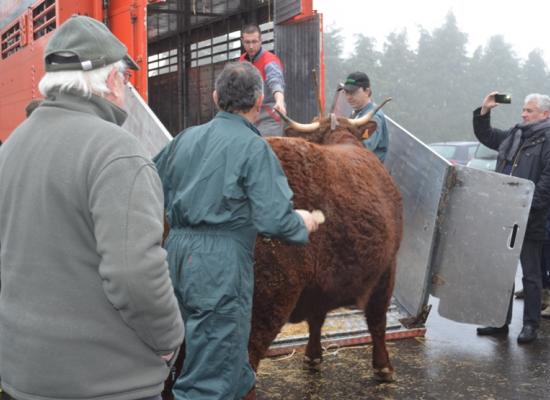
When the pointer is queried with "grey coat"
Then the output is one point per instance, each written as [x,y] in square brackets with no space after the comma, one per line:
[86,302]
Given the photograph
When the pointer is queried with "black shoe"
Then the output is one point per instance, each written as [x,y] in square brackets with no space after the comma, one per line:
[493,330]
[519,294]
[528,334]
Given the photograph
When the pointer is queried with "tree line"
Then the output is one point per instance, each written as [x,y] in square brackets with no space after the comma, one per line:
[436,87]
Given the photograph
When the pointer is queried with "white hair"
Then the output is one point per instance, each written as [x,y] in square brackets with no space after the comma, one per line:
[542,100]
[83,82]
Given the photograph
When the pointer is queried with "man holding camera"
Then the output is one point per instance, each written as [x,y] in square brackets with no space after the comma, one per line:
[523,151]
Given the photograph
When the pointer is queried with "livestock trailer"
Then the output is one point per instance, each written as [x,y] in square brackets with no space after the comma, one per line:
[180,46]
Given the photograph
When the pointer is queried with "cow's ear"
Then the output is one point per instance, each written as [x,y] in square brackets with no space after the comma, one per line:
[368,129]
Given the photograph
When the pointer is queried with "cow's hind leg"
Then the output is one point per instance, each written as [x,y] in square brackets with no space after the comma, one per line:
[270,312]
[375,313]
[314,351]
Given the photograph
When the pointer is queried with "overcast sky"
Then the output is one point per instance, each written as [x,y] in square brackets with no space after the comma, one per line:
[524,25]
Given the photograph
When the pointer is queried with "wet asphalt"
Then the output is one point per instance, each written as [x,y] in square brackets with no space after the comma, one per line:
[450,362]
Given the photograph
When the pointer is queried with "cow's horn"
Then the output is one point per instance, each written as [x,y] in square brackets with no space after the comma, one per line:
[304,128]
[363,120]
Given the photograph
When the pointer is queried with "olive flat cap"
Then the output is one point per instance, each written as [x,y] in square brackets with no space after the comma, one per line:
[84,43]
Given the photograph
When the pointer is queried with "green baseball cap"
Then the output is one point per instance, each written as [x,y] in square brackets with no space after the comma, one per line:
[355,80]
[84,43]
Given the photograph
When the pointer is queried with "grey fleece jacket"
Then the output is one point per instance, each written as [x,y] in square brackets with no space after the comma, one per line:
[86,302]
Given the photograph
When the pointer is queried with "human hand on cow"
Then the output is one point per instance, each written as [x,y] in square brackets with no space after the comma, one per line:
[488,103]
[309,220]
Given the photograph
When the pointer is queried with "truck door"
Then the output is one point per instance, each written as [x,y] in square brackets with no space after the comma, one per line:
[298,45]
[463,233]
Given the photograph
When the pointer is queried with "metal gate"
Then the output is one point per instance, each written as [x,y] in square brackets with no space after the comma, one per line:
[463,233]
[190,41]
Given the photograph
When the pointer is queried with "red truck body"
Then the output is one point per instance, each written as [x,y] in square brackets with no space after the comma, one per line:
[25,27]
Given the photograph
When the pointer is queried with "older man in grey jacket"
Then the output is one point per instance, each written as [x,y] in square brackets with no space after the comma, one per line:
[87,309]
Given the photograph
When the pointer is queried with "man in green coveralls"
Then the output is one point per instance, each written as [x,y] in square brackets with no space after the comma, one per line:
[223,185]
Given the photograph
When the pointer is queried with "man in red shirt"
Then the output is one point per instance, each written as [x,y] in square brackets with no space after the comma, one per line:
[271,69]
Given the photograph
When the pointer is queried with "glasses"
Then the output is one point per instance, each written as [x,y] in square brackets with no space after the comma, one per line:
[125,74]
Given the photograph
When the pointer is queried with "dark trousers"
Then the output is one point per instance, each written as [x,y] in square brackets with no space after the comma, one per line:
[545,264]
[530,257]
[531,254]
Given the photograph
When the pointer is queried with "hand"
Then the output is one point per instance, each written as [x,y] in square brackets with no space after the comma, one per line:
[311,224]
[167,357]
[488,103]
[280,103]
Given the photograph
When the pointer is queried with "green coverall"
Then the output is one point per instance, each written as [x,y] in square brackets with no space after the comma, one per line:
[222,184]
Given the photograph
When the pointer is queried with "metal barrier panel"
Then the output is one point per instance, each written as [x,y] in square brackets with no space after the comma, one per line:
[420,174]
[480,236]
[144,124]
[462,235]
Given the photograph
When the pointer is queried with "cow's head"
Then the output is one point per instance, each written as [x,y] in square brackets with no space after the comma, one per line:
[334,130]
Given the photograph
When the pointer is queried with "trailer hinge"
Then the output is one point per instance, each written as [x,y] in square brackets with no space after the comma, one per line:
[418,320]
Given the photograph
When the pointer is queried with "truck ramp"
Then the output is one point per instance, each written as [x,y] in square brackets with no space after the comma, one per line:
[342,327]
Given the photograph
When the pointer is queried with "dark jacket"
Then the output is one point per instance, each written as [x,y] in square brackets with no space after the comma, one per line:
[532,162]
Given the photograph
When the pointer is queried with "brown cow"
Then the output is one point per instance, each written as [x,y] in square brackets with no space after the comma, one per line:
[350,260]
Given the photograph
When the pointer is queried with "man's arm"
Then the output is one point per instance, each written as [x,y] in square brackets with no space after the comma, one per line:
[374,138]
[485,133]
[280,102]
[270,196]
[275,80]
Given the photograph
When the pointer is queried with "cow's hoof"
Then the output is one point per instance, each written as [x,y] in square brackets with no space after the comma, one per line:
[384,375]
[312,364]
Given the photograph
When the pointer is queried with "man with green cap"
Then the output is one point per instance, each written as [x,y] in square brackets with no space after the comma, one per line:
[223,185]
[87,309]
[359,96]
